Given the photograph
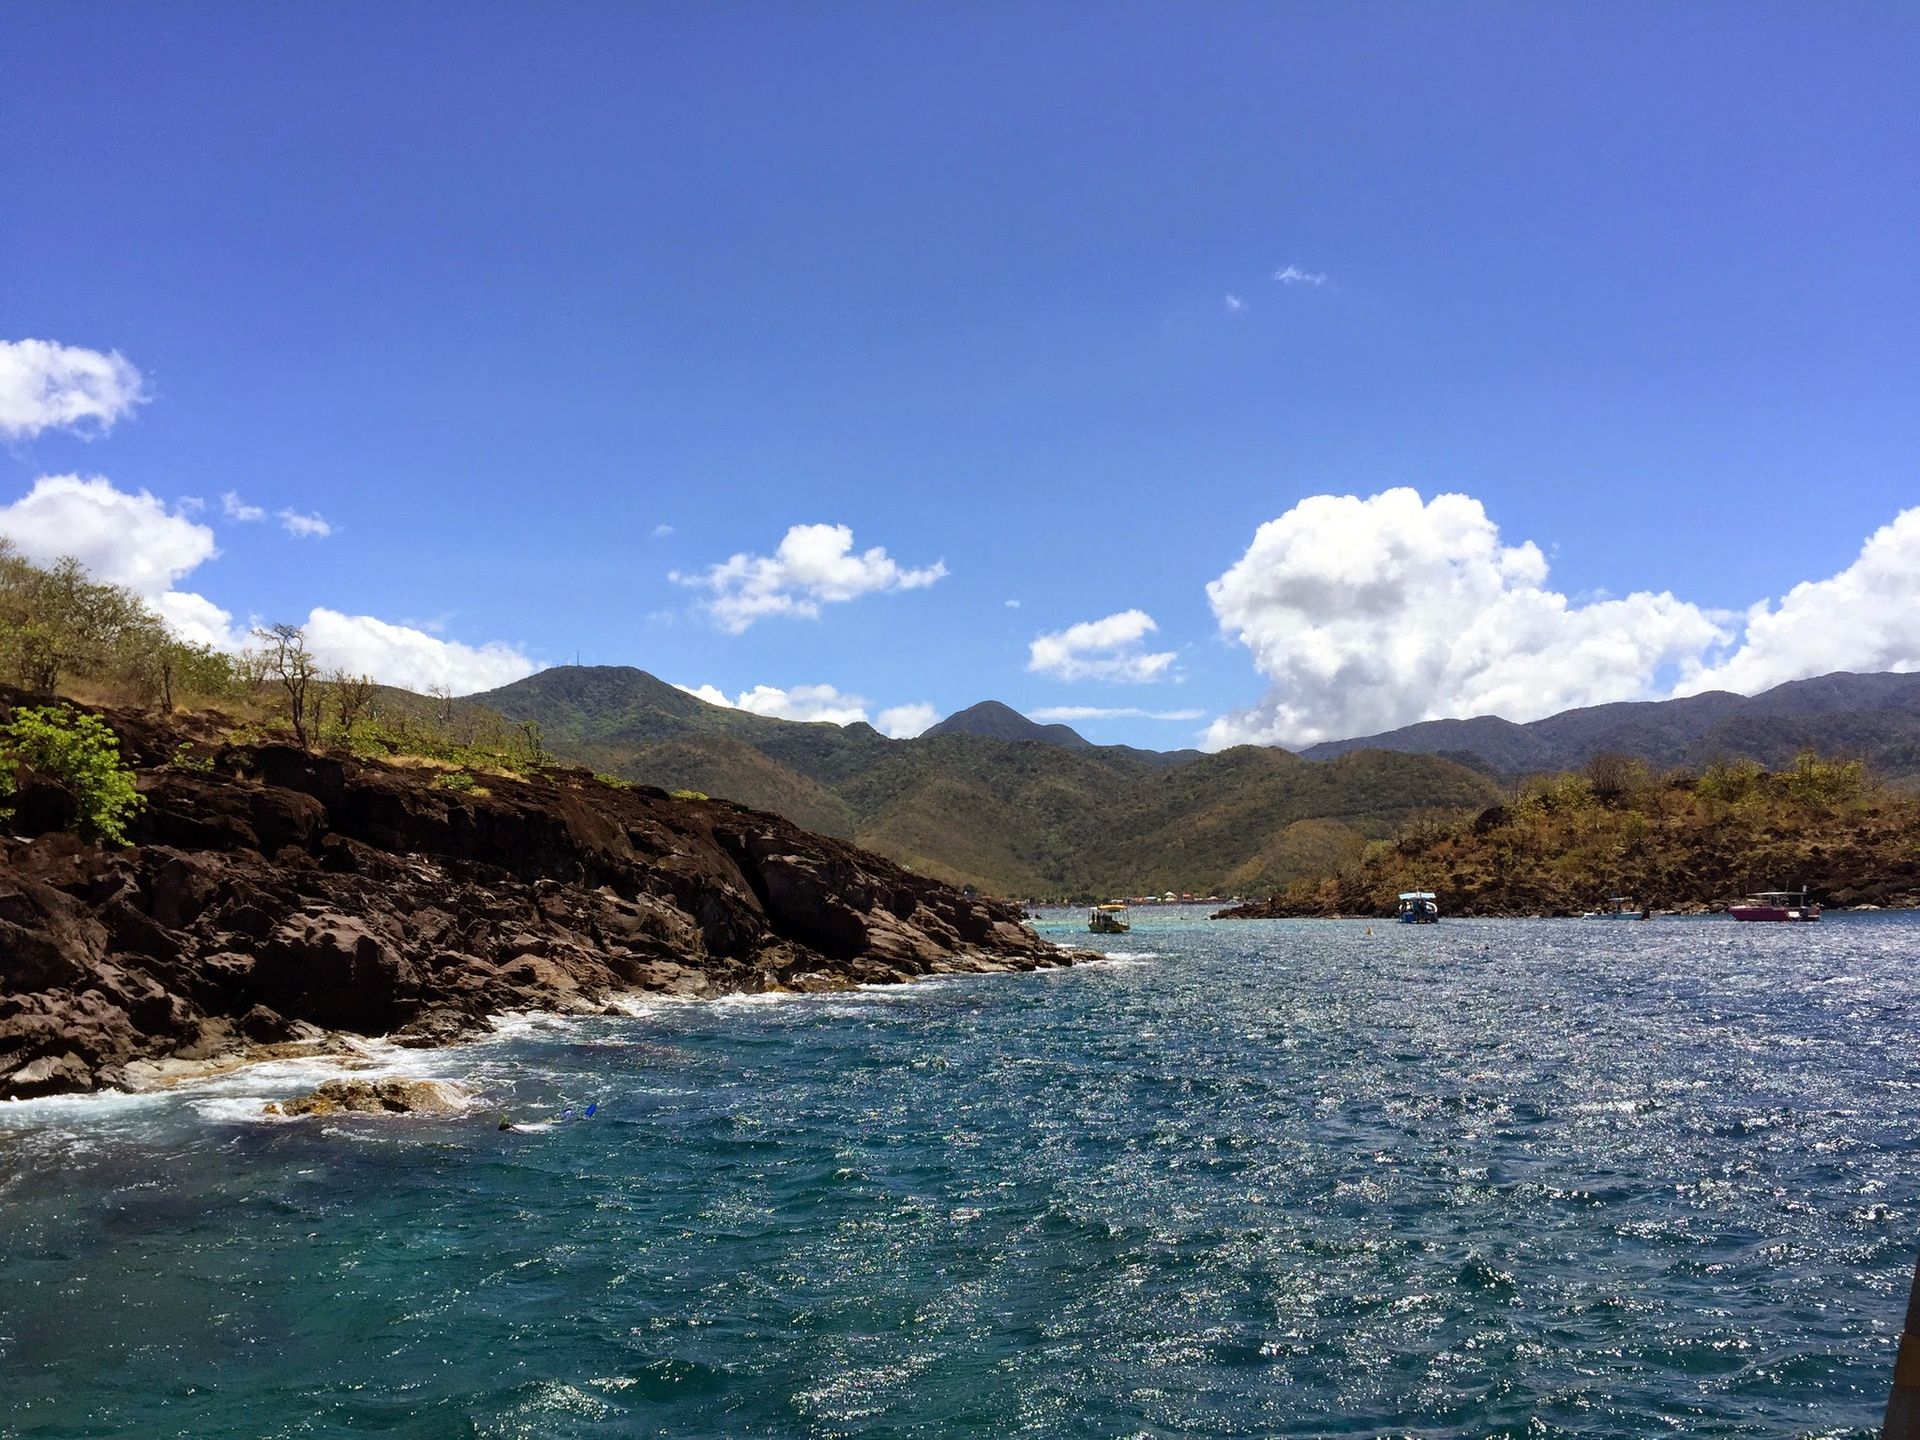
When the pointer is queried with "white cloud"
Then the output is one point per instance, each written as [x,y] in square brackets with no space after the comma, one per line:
[1052,713]
[1013,604]
[1865,618]
[132,539]
[47,386]
[196,619]
[814,566]
[1294,275]
[1370,614]
[234,508]
[1234,303]
[660,532]
[1104,649]
[818,702]
[304,527]
[903,722]
[401,655]
[802,702]
[123,539]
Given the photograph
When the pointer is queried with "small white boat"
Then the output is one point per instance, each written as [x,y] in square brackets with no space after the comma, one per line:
[1619,907]
[1419,907]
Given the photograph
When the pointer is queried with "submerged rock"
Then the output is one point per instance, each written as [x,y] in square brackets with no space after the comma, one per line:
[391,1096]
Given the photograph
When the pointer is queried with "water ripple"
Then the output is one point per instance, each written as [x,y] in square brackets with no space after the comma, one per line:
[1275,1179]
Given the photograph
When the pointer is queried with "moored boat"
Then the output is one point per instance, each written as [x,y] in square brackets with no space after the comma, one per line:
[1619,907]
[1109,919]
[1775,905]
[1419,907]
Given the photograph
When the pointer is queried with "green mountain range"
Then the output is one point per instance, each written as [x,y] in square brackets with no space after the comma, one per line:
[991,799]
[1875,718]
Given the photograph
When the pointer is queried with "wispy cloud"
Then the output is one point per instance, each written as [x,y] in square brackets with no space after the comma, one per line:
[234,508]
[1294,275]
[304,527]
[1234,303]
[660,532]
[48,386]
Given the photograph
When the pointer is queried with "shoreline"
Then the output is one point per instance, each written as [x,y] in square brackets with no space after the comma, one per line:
[372,1057]
[1834,911]
[273,896]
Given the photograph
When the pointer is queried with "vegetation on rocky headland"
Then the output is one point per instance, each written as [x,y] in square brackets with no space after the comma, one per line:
[1682,840]
[271,894]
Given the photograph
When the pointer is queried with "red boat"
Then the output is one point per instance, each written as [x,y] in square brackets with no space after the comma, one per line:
[1775,905]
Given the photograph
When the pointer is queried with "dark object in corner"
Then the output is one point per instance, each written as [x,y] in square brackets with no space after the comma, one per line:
[1903,1405]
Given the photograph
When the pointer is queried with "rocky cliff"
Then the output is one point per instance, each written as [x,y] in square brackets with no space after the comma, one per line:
[271,894]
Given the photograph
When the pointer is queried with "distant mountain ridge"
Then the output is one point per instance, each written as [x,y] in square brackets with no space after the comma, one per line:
[1020,810]
[1875,717]
[990,797]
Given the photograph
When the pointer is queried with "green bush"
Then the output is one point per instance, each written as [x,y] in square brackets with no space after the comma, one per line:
[80,752]
[456,780]
[187,758]
[691,795]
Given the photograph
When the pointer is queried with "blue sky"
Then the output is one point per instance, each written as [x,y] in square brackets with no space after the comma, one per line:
[506,294]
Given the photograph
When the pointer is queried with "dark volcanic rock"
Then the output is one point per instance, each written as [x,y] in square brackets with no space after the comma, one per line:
[283,890]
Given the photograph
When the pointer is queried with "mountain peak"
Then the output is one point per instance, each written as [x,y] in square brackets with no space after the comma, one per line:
[994,721]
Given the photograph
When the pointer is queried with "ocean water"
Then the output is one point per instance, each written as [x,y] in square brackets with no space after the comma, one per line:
[1259,1179]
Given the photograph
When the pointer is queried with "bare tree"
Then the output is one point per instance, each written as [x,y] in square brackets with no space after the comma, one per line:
[352,698]
[286,660]
[1614,777]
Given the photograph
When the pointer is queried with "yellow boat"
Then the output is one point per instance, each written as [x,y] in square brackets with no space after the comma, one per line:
[1108,919]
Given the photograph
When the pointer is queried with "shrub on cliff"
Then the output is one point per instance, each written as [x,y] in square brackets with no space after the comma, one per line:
[78,752]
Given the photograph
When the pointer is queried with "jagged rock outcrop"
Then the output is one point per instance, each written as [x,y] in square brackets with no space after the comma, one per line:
[277,892]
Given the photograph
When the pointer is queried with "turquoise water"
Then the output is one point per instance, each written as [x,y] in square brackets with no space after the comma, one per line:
[1275,1178]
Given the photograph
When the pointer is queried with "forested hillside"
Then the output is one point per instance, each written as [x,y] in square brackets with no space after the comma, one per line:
[1681,840]
[1037,816]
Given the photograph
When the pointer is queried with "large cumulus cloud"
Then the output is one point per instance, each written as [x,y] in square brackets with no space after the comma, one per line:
[1366,614]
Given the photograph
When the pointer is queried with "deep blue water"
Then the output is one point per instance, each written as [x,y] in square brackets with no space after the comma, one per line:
[1513,1178]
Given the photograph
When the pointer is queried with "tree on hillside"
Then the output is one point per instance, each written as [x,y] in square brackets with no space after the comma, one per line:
[1614,777]
[286,660]
[352,697]
[58,624]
